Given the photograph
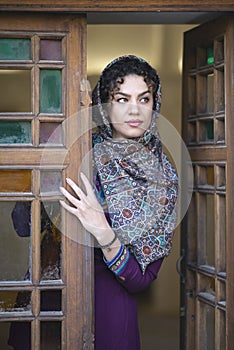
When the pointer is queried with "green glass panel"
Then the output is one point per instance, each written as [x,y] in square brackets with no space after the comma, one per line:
[15,132]
[210,55]
[15,49]
[50,91]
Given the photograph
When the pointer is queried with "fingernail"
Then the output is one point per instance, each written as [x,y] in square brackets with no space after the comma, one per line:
[61,190]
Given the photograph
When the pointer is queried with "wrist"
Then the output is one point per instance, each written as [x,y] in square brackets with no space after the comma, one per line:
[109,262]
[109,244]
[104,235]
[110,252]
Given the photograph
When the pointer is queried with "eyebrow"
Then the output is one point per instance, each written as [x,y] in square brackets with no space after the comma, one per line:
[127,95]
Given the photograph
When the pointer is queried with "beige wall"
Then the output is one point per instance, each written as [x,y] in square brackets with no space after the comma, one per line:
[161,46]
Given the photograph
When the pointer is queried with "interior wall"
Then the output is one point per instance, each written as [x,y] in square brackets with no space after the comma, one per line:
[162,47]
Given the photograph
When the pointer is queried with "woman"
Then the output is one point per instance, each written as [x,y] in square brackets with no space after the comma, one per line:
[131,211]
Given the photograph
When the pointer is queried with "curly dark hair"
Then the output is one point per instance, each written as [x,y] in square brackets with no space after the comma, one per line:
[113,75]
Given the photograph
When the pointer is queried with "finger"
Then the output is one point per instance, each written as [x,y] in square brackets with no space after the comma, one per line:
[88,186]
[72,210]
[76,189]
[71,198]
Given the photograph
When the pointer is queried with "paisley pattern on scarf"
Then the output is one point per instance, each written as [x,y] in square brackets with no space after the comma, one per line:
[138,187]
[140,190]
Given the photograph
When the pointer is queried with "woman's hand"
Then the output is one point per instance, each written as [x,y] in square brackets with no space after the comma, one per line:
[88,210]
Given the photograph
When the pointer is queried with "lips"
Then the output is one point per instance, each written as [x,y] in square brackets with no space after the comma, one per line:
[134,123]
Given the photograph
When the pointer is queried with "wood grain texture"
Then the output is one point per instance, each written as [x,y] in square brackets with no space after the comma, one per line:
[222,156]
[116,5]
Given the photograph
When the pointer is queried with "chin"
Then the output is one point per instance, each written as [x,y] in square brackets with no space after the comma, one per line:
[135,134]
[130,134]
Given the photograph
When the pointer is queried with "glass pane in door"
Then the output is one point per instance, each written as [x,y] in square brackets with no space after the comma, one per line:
[50,91]
[50,335]
[51,49]
[15,335]
[15,240]
[15,49]
[15,132]
[15,90]
[50,241]
[15,181]
[13,301]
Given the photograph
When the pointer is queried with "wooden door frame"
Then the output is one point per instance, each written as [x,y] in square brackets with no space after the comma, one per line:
[77,268]
[105,6]
[222,25]
[86,6]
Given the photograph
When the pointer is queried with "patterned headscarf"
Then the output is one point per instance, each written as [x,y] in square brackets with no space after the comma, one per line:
[136,183]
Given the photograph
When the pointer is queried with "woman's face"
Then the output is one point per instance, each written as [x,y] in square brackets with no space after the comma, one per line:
[130,109]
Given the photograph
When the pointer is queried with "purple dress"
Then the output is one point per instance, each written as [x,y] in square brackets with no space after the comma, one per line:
[116,322]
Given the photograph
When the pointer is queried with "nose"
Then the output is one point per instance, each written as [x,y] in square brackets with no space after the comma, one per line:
[133,108]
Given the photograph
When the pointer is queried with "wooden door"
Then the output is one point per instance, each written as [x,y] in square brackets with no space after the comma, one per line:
[45,273]
[207,232]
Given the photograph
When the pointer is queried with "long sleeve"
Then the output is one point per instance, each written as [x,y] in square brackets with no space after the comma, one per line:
[129,274]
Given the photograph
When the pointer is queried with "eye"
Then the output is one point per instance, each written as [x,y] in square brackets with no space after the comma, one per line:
[122,100]
[144,100]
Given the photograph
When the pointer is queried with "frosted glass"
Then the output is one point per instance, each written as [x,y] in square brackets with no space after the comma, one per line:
[51,133]
[50,50]
[20,180]
[15,49]
[50,91]
[15,132]
[50,181]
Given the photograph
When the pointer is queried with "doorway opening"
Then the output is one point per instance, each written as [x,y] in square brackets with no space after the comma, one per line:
[162,46]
